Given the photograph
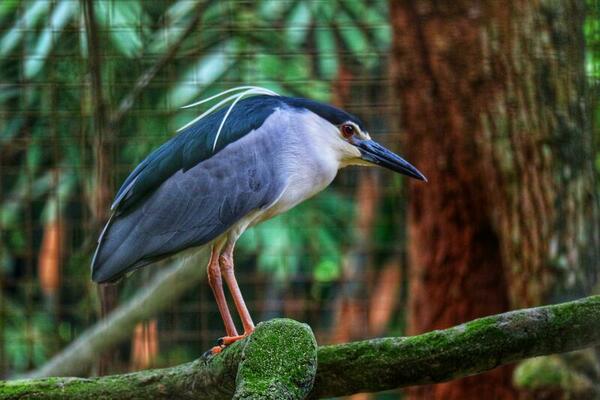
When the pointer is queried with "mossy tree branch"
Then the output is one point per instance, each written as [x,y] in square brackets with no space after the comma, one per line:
[279,360]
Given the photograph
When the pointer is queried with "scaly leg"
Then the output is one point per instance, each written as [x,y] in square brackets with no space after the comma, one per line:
[226,262]
[216,284]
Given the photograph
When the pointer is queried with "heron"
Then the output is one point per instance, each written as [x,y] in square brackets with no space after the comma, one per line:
[253,155]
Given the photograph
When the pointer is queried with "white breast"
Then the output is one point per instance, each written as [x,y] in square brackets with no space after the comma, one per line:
[308,163]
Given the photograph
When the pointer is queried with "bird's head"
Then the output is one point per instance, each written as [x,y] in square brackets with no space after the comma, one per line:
[360,149]
[346,137]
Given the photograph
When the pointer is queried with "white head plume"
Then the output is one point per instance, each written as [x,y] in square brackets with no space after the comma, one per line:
[245,90]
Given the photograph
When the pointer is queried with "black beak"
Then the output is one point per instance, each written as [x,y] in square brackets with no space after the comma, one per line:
[377,154]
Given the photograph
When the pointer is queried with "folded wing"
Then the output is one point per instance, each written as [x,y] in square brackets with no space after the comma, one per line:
[191,207]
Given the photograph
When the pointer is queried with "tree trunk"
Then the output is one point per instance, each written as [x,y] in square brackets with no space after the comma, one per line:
[492,100]
[103,143]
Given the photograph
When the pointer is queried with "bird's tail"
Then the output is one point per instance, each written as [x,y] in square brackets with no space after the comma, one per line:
[108,264]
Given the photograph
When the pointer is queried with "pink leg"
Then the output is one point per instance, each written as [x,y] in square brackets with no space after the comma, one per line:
[226,261]
[214,280]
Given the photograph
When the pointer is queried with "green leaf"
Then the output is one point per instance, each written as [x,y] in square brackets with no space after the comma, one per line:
[13,126]
[292,68]
[204,73]
[125,22]
[60,16]
[27,22]
[23,190]
[298,25]
[371,20]
[273,9]
[273,255]
[83,45]
[326,271]
[180,10]
[7,7]
[327,54]
[354,39]
[174,25]
[60,193]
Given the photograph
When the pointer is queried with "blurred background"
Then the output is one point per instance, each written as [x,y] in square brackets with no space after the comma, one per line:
[496,102]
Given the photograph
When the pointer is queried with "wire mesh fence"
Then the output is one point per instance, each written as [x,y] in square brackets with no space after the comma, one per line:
[88,89]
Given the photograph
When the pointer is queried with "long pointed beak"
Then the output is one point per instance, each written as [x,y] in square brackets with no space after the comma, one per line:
[377,154]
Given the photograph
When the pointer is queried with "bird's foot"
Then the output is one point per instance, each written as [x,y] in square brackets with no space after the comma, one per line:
[226,341]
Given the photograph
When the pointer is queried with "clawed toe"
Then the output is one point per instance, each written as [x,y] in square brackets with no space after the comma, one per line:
[224,342]
[227,340]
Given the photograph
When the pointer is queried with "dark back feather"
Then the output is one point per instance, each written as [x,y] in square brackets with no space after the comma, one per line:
[195,144]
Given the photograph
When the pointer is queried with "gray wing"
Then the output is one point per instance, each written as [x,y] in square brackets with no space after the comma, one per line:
[191,208]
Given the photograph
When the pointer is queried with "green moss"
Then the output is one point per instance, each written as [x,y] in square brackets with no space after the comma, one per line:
[540,372]
[58,387]
[479,324]
[279,362]
[550,373]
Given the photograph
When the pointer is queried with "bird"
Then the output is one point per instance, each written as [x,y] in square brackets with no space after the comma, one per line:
[253,155]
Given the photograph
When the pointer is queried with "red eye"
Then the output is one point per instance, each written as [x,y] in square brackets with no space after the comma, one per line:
[347,131]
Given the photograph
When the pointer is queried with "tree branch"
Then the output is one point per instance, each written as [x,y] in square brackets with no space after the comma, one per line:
[364,366]
[467,349]
[164,289]
[103,138]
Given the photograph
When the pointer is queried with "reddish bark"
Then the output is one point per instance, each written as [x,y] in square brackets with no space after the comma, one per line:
[50,257]
[144,345]
[384,297]
[491,96]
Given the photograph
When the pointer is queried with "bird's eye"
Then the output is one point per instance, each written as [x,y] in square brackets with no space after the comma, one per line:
[347,131]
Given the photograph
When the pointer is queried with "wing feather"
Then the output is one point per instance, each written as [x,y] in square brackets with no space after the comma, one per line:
[192,207]
[192,146]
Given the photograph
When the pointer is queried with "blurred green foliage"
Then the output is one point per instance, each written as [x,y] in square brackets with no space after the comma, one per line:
[47,143]
[592,36]
[47,146]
